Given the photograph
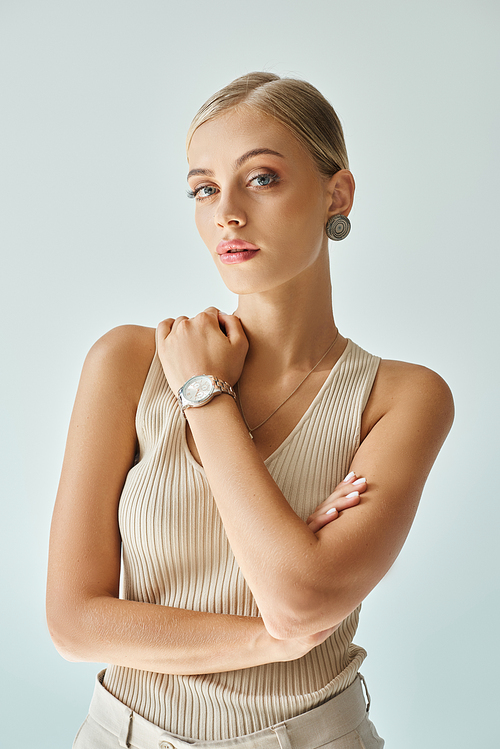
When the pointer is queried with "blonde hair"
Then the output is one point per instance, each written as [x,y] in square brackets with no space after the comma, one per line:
[295,104]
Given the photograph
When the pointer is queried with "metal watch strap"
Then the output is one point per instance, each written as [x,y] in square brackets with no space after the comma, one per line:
[222,387]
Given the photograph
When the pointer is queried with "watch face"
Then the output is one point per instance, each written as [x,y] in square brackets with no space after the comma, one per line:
[198,389]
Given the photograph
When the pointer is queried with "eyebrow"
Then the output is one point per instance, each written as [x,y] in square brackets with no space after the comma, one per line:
[256,152]
[239,161]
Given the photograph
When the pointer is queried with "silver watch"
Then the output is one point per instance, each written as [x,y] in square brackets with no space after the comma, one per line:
[199,390]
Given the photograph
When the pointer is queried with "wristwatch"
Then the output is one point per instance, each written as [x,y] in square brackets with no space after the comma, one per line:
[199,390]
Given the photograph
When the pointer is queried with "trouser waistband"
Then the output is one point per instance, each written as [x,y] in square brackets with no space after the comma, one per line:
[328,722]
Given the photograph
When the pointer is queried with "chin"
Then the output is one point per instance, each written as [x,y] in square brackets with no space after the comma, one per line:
[244,286]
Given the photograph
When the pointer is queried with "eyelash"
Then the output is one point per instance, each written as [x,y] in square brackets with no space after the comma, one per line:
[274,178]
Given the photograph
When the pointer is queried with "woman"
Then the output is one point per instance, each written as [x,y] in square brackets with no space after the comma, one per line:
[261,470]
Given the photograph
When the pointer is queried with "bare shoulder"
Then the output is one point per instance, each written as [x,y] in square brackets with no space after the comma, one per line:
[122,357]
[404,390]
[126,341]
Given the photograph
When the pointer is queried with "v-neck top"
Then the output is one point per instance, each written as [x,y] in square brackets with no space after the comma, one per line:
[176,553]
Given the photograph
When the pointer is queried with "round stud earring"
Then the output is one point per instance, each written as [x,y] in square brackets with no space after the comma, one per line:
[338,227]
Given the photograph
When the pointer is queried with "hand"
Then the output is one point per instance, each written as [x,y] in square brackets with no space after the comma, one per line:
[346,494]
[211,343]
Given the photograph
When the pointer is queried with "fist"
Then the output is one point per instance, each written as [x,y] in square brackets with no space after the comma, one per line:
[211,343]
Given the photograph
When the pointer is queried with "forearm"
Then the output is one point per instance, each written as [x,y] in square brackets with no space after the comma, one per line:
[272,545]
[162,639]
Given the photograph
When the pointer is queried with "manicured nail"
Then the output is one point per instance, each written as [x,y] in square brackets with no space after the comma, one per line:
[359,481]
[352,494]
[349,476]
[331,511]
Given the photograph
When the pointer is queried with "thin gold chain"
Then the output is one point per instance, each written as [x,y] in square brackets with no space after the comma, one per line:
[289,396]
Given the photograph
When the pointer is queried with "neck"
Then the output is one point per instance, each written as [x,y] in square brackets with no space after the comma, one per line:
[290,327]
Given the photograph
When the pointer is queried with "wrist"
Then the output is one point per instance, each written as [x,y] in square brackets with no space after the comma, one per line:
[221,407]
[200,390]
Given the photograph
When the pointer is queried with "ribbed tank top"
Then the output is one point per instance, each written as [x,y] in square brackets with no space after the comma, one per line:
[169,558]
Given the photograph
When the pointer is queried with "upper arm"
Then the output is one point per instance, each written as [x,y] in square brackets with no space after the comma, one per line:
[412,411]
[84,557]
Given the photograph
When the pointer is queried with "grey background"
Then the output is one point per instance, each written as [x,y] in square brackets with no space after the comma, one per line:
[96,231]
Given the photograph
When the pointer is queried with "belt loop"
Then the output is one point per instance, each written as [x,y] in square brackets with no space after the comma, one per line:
[123,738]
[368,699]
[282,736]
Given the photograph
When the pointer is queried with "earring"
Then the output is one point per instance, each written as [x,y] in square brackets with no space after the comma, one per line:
[338,227]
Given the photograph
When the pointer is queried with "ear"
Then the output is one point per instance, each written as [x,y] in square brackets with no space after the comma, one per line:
[340,191]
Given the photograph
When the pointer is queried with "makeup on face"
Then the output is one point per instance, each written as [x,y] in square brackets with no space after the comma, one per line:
[232,251]
[258,197]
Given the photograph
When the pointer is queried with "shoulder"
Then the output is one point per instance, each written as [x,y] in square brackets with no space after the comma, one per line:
[405,390]
[121,359]
[401,381]
[125,341]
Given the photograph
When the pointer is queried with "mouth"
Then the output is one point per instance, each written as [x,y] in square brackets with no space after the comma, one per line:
[233,246]
[235,251]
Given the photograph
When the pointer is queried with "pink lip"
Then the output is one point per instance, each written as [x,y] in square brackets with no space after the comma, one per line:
[231,258]
[236,245]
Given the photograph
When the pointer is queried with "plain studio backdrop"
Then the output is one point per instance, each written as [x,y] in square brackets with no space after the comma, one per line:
[96,231]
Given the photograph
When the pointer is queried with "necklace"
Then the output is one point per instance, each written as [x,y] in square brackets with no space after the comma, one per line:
[288,396]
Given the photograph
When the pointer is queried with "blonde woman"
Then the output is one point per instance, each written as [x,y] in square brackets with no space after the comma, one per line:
[258,470]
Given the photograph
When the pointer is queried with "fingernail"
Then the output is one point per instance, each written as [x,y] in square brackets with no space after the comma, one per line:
[359,481]
[331,511]
[352,494]
[349,476]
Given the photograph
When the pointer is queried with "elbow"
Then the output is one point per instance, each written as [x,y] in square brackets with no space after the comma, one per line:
[67,632]
[301,621]
[65,644]
[285,628]
[66,649]
[294,628]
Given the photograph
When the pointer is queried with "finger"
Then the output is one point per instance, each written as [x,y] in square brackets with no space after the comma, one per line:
[349,478]
[344,495]
[177,322]
[207,319]
[331,510]
[163,329]
[317,522]
[333,506]
[233,326]
[210,315]
[346,490]
[221,317]
[329,514]
[342,503]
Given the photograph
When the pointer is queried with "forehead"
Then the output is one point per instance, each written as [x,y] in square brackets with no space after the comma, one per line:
[227,137]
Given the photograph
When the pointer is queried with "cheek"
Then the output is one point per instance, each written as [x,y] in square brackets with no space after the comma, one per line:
[305,205]
[198,222]
[203,223]
[302,220]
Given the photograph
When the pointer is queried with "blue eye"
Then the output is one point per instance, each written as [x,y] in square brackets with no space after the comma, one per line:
[264,180]
[202,192]
[206,191]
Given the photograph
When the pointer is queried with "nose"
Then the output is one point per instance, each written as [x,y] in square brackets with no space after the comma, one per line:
[229,212]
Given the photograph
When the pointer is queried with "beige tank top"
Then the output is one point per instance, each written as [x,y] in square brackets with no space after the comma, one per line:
[169,558]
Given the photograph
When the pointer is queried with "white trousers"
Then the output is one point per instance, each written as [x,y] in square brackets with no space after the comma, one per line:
[340,723]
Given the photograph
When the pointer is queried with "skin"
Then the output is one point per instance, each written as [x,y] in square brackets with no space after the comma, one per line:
[306,576]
